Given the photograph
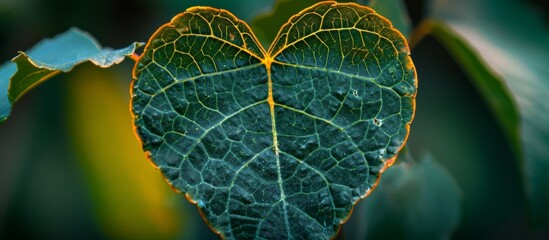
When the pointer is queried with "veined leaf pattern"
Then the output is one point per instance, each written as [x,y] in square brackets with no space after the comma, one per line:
[279,143]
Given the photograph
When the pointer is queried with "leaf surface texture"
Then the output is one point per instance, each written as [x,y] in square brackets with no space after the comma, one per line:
[279,143]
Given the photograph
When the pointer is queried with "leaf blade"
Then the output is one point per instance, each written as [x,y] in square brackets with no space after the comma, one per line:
[227,123]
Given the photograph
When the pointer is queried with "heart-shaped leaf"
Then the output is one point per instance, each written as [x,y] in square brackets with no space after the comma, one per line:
[279,143]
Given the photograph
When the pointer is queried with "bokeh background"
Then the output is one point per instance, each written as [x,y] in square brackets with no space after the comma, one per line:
[71,167]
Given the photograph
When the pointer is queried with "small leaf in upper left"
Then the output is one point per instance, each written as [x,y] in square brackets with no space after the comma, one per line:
[50,57]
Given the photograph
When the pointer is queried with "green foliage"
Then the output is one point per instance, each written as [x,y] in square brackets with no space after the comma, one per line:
[6,71]
[49,58]
[506,67]
[493,90]
[276,144]
[422,197]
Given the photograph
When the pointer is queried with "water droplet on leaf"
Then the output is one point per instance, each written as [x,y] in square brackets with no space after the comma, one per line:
[200,203]
[382,151]
[378,122]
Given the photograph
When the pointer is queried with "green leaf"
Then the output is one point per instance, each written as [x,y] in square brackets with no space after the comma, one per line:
[6,71]
[50,57]
[422,197]
[513,51]
[278,143]
[265,25]
[492,88]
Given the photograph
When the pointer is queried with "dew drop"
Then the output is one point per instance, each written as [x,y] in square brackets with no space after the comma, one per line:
[392,70]
[200,203]
[156,141]
[355,92]
[382,151]
[378,122]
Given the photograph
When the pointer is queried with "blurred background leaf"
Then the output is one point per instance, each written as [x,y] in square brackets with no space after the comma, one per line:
[512,40]
[395,11]
[455,125]
[490,86]
[414,200]
[50,57]
[6,71]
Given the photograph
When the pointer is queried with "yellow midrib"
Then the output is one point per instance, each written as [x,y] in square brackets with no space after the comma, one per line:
[268,60]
